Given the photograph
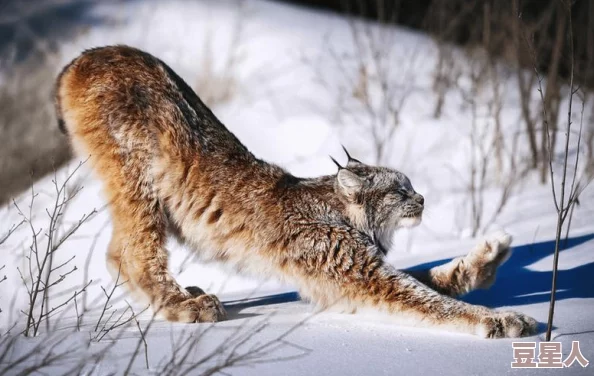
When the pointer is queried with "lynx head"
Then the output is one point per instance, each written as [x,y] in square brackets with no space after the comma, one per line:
[378,200]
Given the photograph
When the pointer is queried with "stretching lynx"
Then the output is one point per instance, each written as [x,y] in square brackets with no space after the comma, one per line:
[168,165]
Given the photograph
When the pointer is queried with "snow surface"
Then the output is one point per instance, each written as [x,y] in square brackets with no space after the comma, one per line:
[283,115]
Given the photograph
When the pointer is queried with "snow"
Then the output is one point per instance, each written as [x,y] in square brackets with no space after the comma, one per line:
[283,115]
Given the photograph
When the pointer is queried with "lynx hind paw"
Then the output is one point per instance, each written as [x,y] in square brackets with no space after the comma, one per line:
[495,248]
[203,308]
[507,325]
[195,291]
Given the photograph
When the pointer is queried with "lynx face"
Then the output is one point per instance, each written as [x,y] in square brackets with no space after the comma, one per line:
[379,200]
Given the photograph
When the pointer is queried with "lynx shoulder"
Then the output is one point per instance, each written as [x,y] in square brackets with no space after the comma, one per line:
[169,166]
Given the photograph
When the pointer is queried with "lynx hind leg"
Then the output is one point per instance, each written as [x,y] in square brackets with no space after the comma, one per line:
[484,260]
[144,265]
[137,251]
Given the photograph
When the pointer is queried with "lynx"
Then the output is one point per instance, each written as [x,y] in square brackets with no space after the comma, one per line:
[169,166]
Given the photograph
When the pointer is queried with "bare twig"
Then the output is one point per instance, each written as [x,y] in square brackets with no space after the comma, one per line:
[140,342]
[10,231]
[108,296]
[41,272]
[135,317]
[562,205]
[372,82]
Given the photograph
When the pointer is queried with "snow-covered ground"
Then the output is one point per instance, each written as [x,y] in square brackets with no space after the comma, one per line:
[283,114]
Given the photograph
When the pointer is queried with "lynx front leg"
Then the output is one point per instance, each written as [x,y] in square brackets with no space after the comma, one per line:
[427,306]
[401,295]
[362,277]
[474,271]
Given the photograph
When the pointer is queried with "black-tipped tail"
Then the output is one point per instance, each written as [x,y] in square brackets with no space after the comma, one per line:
[57,104]
[62,126]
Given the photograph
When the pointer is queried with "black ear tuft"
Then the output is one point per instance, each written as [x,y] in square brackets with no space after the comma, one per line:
[336,163]
[351,159]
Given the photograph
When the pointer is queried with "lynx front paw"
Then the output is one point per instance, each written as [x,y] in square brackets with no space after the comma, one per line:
[507,325]
[203,308]
[494,248]
[488,256]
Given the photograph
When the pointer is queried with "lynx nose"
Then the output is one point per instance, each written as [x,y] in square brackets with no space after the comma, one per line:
[420,199]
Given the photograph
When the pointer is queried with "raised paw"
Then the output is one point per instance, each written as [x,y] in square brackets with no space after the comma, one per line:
[493,251]
[507,325]
[202,308]
[494,248]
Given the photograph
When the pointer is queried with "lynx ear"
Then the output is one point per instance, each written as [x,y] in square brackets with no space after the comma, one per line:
[348,182]
[352,161]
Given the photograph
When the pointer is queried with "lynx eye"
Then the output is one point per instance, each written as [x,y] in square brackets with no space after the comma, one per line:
[402,192]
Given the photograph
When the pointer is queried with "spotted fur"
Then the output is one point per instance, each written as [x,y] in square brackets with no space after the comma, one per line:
[168,165]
